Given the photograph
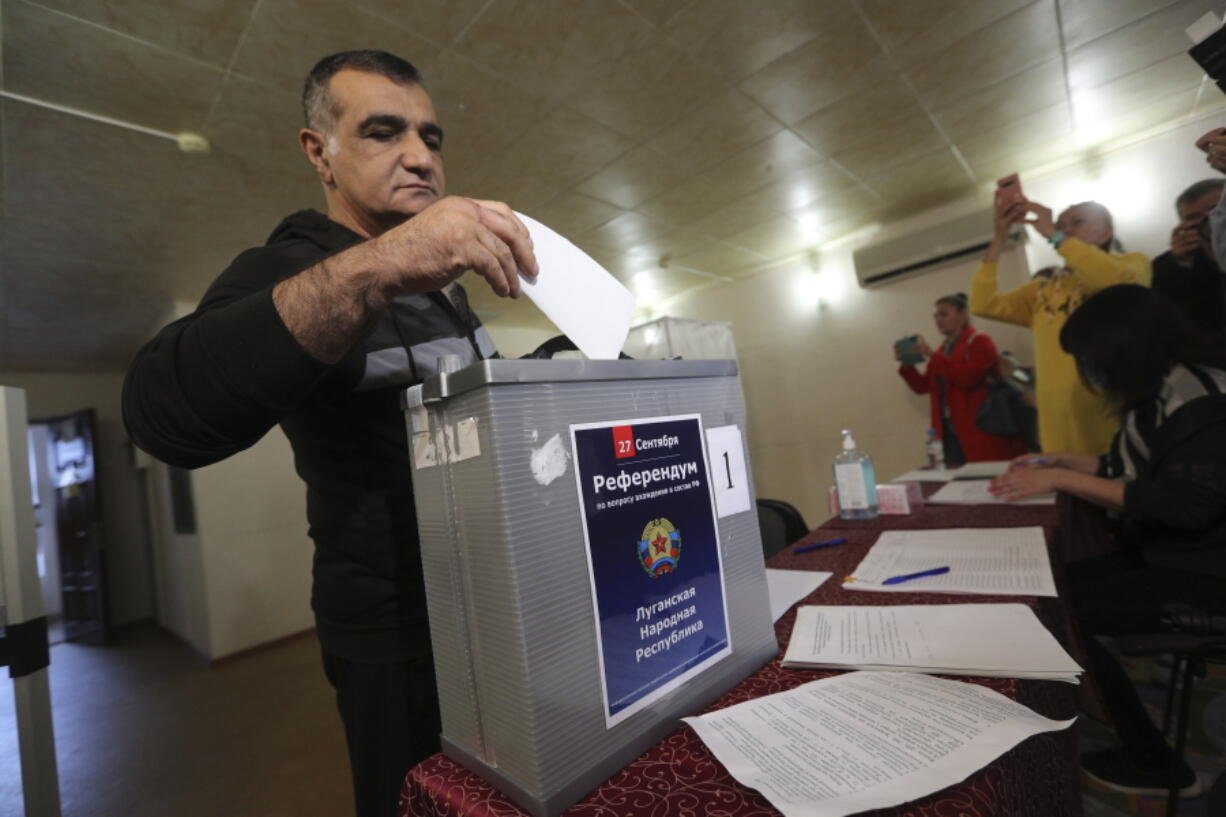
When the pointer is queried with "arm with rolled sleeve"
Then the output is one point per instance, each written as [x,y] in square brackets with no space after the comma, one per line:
[214,382]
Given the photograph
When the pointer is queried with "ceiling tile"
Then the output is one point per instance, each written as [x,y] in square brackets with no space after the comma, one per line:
[1100,109]
[839,64]
[623,233]
[467,98]
[726,124]
[60,60]
[439,21]
[287,37]
[1138,45]
[1158,112]
[739,38]
[775,238]
[922,182]
[923,28]
[258,124]
[1034,89]
[570,43]
[647,89]
[207,30]
[877,128]
[659,12]
[1086,20]
[720,258]
[528,176]
[640,174]
[1005,48]
[572,214]
[1029,142]
[87,189]
[652,286]
[86,348]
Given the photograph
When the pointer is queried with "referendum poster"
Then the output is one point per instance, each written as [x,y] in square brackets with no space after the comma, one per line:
[653,556]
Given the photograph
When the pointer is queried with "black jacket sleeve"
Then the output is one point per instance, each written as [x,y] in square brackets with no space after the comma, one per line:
[214,382]
[1185,498]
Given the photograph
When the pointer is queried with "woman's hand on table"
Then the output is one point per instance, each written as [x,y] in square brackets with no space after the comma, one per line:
[1020,483]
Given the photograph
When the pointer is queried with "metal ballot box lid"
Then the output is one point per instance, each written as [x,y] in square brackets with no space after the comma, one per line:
[592,561]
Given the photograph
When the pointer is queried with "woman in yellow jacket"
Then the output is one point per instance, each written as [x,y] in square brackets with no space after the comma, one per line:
[1071,417]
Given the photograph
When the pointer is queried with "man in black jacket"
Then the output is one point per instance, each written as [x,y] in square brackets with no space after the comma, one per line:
[1188,273]
[320,330]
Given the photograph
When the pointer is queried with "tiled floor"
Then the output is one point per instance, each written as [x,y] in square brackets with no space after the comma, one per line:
[144,728]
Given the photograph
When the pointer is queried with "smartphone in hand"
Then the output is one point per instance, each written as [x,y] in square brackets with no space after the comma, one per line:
[1009,190]
[906,351]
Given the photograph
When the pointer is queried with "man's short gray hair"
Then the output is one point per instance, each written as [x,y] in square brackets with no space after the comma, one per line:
[1198,190]
[320,108]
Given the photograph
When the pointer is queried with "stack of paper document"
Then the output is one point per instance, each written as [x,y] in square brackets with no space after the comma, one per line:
[1003,561]
[994,640]
[865,740]
[975,492]
[972,470]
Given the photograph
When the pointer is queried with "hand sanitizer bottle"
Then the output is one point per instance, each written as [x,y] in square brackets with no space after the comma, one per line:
[856,480]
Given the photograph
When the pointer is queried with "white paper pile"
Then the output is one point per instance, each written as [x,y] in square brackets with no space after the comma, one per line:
[992,640]
[975,492]
[865,740]
[999,561]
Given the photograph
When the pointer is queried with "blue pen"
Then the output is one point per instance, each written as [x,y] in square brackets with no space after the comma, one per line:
[816,545]
[1037,461]
[906,577]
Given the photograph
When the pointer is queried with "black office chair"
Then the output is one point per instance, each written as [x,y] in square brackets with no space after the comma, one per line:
[780,525]
[1197,639]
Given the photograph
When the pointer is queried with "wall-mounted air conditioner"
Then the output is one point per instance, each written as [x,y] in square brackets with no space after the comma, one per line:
[928,249]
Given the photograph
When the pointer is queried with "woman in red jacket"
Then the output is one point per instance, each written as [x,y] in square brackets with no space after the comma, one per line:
[956,381]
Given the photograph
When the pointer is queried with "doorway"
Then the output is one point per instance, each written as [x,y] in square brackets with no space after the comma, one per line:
[68,525]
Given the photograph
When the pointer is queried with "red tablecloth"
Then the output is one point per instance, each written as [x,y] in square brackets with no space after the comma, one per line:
[678,777]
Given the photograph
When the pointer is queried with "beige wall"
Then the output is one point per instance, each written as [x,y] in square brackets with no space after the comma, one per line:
[811,367]
[120,485]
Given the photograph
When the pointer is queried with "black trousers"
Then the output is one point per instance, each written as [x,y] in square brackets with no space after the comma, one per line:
[391,718]
[1119,595]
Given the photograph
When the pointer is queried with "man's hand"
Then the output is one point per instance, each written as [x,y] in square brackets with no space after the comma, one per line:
[328,306]
[455,234]
[1213,144]
[1185,240]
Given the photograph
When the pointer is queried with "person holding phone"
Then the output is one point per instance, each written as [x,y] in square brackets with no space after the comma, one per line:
[1071,417]
[1188,273]
[1165,477]
[956,382]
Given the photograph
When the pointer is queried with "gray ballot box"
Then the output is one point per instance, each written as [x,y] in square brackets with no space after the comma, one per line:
[584,590]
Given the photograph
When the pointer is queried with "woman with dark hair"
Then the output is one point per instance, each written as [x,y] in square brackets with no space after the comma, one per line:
[1165,474]
[956,381]
[1071,417]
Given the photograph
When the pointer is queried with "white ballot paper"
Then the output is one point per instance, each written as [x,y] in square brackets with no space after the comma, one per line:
[865,740]
[982,470]
[786,587]
[589,305]
[1005,561]
[925,475]
[993,640]
[975,492]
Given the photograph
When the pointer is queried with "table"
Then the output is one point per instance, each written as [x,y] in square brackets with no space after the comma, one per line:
[678,776]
